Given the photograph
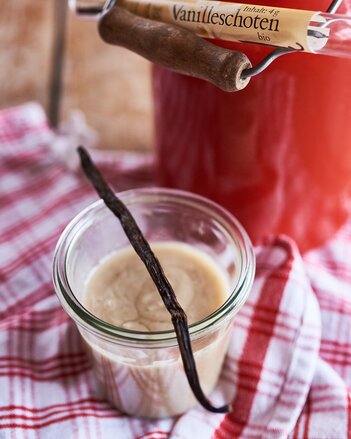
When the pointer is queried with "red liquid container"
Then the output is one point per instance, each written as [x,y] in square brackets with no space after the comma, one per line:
[276,154]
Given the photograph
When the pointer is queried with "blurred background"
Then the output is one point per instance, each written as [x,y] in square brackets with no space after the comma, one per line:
[110,85]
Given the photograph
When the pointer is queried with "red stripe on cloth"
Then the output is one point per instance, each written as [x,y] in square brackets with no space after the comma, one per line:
[256,345]
[255,327]
[28,160]
[25,258]
[328,409]
[329,300]
[29,327]
[229,430]
[335,267]
[283,314]
[335,344]
[230,368]
[289,399]
[31,187]
[42,369]
[251,366]
[324,387]
[267,321]
[54,358]
[41,378]
[26,321]
[14,230]
[60,419]
[92,403]
[323,398]
[337,351]
[43,314]
[338,307]
[45,416]
[335,361]
[287,393]
[273,396]
[33,317]
[42,292]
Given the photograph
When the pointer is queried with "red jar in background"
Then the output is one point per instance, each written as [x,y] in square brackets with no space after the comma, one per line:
[276,154]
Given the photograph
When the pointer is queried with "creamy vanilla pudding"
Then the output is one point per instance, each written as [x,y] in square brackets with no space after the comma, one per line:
[120,291]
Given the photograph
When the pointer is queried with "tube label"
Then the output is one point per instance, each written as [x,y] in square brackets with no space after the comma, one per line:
[295,29]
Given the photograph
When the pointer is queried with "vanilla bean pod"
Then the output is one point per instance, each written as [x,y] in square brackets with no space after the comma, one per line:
[152,264]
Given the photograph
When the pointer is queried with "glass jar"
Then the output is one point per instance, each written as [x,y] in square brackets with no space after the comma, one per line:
[141,373]
[276,154]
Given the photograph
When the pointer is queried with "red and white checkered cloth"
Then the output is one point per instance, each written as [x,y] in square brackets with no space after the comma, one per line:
[289,360]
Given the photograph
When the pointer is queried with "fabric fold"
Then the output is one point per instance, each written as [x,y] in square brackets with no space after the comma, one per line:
[281,327]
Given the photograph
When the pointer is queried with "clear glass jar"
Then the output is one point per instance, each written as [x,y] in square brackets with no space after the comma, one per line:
[141,373]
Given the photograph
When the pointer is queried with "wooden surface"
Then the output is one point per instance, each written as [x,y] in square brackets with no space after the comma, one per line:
[109,84]
[25,43]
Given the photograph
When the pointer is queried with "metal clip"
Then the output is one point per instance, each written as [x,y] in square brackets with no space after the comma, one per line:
[276,53]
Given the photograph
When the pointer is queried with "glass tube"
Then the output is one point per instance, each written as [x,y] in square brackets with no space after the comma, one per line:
[321,33]
[338,30]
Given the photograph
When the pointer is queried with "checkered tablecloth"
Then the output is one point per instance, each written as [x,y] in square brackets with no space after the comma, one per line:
[289,361]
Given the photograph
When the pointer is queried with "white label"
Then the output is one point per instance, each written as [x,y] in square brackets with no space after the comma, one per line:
[238,22]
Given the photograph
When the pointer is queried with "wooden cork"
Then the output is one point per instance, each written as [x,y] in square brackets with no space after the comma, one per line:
[175,48]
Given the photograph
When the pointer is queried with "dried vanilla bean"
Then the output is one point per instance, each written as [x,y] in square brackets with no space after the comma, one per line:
[152,264]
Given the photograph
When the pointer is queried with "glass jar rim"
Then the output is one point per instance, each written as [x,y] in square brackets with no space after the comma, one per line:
[91,323]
